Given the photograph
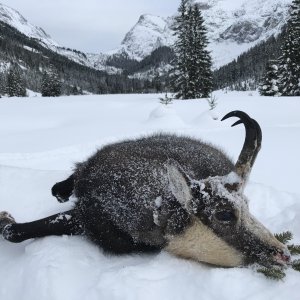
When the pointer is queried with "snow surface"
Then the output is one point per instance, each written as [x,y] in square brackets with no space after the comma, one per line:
[40,140]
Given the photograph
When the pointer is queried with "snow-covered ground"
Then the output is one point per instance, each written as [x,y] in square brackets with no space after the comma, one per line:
[40,139]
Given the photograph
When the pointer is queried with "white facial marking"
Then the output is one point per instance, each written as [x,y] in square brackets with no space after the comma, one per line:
[200,243]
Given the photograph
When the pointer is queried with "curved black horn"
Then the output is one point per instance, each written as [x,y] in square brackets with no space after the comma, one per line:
[252,143]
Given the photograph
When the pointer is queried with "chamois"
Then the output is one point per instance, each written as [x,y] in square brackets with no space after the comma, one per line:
[163,192]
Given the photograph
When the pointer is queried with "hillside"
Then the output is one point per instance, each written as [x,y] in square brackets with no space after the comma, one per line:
[245,72]
[32,58]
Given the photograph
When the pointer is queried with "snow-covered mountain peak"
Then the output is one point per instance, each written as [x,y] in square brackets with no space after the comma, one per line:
[15,19]
[149,33]
[152,22]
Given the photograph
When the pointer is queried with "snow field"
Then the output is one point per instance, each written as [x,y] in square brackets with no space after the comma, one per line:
[41,138]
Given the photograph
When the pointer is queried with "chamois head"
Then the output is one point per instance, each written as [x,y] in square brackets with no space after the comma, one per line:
[223,232]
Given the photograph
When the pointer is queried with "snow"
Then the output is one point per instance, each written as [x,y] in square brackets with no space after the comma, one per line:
[41,138]
[165,116]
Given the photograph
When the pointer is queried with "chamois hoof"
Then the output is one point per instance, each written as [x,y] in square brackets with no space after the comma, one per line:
[5,219]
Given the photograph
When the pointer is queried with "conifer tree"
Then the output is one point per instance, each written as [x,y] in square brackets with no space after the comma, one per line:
[15,84]
[289,61]
[51,85]
[2,84]
[201,58]
[180,78]
[191,75]
[269,85]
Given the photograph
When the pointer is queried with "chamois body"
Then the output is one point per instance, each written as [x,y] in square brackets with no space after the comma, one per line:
[124,187]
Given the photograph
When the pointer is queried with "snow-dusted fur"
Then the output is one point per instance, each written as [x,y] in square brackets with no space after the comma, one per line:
[122,182]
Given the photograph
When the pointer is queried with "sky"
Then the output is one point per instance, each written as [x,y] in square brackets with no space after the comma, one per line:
[89,25]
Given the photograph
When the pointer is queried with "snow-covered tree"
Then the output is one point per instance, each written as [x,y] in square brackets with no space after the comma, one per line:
[201,60]
[191,75]
[180,80]
[15,83]
[269,85]
[51,85]
[289,61]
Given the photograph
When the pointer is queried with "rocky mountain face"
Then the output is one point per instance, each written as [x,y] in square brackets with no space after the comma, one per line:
[148,34]
[236,26]
[243,21]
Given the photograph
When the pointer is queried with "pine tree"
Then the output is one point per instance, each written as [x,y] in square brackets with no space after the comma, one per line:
[289,61]
[191,76]
[269,85]
[45,85]
[201,57]
[15,84]
[51,85]
[180,78]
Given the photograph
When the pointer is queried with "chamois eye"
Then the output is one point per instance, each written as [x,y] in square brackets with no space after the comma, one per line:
[225,216]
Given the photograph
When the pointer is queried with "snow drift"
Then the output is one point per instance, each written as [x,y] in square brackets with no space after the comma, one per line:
[42,138]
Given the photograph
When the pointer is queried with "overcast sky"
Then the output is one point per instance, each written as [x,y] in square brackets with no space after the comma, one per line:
[89,25]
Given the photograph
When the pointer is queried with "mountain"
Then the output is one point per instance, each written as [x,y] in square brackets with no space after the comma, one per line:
[148,34]
[233,28]
[236,26]
[13,18]
[31,52]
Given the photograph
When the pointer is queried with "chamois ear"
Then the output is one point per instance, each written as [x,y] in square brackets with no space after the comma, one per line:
[179,183]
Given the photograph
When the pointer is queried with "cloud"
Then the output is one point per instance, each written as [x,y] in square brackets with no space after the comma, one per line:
[89,25]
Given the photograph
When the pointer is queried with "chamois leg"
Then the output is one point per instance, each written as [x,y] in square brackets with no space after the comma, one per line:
[64,189]
[63,223]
